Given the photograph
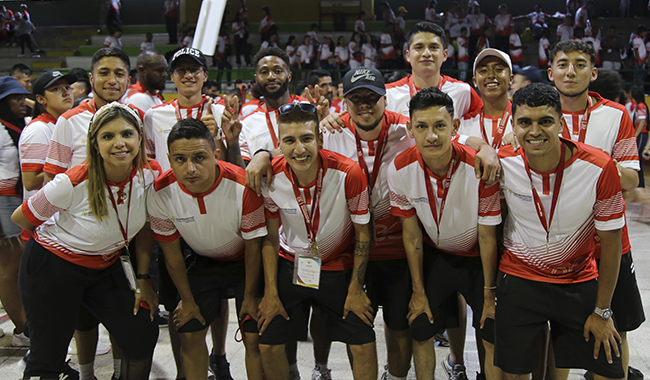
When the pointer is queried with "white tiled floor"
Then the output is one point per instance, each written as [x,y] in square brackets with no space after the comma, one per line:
[163,367]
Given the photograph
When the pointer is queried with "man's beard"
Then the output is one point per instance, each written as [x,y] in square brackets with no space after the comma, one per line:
[277,94]
[574,95]
[370,127]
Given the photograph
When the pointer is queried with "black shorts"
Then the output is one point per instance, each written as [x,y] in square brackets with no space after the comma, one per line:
[626,301]
[444,276]
[523,311]
[388,283]
[330,297]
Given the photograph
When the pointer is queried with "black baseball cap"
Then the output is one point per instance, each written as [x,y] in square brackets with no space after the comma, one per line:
[531,72]
[196,54]
[364,77]
[48,78]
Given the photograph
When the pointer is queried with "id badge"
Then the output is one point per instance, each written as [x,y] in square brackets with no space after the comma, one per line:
[307,266]
[125,260]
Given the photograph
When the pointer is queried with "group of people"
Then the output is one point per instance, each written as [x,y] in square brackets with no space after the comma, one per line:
[317,219]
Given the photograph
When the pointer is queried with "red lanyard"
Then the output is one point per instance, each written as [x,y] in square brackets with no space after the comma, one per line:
[128,211]
[177,109]
[381,143]
[311,221]
[541,213]
[11,126]
[583,124]
[498,136]
[413,90]
[274,137]
[432,199]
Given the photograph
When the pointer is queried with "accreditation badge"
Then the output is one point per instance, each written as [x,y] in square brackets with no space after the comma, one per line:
[307,267]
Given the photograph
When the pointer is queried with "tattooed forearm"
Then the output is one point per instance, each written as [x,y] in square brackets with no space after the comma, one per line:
[233,155]
[361,251]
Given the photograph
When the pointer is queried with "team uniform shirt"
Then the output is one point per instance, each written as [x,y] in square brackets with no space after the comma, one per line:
[293,57]
[462,49]
[147,46]
[595,42]
[159,120]
[482,44]
[430,15]
[451,52]
[222,43]
[538,17]
[138,96]
[314,36]
[266,44]
[266,23]
[542,56]
[388,228]
[343,201]
[590,197]
[502,24]
[113,42]
[639,46]
[352,46]
[468,203]
[389,51]
[75,234]
[9,162]
[305,53]
[338,106]
[564,32]
[582,18]
[398,95]
[248,107]
[325,52]
[477,22]
[400,25]
[451,19]
[236,214]
[342,55]
[239,29]
[629,106]
[517,55]
[33,144]
[68,145]
[640,113]
[369,55]
[256,133]
[359,26]
[470,125]
[187,41]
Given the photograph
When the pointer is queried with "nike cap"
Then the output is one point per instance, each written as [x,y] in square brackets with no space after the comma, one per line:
[48,78]
[195,54]
[364,77]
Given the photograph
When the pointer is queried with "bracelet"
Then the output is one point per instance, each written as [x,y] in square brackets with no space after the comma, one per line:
[145,276]
[490,287]
[263,150]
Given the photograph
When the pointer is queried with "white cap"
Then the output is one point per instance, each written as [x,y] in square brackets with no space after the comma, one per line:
[493,53]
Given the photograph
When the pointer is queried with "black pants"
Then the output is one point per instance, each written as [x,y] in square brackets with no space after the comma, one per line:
[53,289]
[171,24]
[113,20]
[241,47]
[25,39]
[224,64]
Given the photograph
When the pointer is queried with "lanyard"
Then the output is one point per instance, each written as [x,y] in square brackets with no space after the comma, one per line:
[381,143]
[11,126]
[128,210]
[311,221]
[177,109]
[413,90]
[274,137]
[432,199]
[583,124]
[498,136]
[541,213]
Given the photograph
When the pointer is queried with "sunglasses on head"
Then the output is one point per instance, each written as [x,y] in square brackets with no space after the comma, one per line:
[305,107]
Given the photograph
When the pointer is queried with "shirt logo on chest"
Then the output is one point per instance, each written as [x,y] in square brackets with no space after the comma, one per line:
[189,219]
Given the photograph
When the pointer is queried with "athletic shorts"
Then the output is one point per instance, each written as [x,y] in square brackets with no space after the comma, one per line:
[524,309]
[330,296]
[388,283]
[626,301]
[444,276]
[8,205]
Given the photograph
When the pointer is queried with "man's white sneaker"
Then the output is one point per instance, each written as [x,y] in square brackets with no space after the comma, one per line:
[455,371]
[20,340]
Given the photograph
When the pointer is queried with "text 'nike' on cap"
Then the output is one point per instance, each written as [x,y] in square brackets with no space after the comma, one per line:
[364,77]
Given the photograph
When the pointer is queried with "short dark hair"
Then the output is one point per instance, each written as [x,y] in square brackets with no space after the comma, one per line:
[189,129]
[640,29]
[315,75]
[431,97]
[78,72]
[428,27]
[19,68]
[609,84]
[537,95]
[274,51]
[571,46]
[296,115]
[210,83]
[110,52]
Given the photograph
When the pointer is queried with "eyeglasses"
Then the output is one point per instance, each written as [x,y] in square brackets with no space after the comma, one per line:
[181,71]
[305,107]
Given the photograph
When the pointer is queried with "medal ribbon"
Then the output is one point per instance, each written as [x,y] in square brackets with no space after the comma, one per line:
[501,128]
[413,90]
[381,143]
[311,221]
[583,124]
[177,109]
[274,137]
[128,211]
[432,200]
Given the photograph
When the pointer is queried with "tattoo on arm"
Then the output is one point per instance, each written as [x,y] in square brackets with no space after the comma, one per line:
[233,155]
[362,250]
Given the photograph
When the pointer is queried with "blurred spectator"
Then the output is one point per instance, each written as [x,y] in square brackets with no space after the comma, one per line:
[543,49]
[342,54]
[594,41]
[484,41]
[524,77]
[565,30]
[463,58]
[148,43]
[250,106]
[24,30]
[400,24]
[448,67]
[240,34]
[313,34]
[611,47]
[516,48]
[609,85]
[387,12]
[267,25]
[640,121]
[359,25]
[355,51]
[326,54]
[503,23]
[223,51]
[387,48]
[81,89]
[583,15]
[23,10]
[638,46]
[189,38]
[22,74]
[430,14]
[572,6]
[114,39]
[210,88]
[292,53]
[538,20]
[369,52]
[242,87]
[306,55]
[453,16]
[321,81]
[113,20]
[271,42]
[477,21]
[170,8]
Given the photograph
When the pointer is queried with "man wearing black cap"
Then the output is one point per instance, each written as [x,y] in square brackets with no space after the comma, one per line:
[152,76]
[524,77]
[372,137]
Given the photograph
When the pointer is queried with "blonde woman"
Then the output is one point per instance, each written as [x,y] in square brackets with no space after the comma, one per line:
[83,222]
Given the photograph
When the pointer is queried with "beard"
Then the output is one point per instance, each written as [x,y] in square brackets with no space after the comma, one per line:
[573,95]
[277,94]
[369,127]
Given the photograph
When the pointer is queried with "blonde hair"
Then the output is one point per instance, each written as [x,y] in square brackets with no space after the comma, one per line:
[96,173]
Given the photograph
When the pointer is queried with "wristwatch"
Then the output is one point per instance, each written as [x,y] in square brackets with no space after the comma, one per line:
[605,314]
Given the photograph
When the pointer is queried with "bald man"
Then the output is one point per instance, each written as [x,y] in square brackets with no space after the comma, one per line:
[152,76]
